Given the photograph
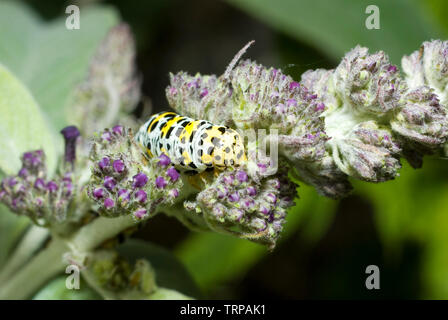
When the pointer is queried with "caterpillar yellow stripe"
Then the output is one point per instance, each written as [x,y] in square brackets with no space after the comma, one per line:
[192,145]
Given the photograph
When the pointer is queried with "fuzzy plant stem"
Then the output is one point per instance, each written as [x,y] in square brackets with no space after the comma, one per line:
[49,262]
[45,265]
[30,243]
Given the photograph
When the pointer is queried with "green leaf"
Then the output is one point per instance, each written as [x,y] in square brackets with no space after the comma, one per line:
[170,272]
[47,57]
[336,26]
[214,258]
[22,125]
[57,290]
[167,294]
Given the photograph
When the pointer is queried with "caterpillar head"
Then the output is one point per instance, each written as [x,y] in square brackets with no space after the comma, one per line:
[223,147]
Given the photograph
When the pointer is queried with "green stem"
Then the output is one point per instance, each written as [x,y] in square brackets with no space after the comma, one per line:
[45,265]
[31,241]
[101,229]
[49,262]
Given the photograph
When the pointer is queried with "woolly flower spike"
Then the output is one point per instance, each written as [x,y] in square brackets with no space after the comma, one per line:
[111,86]
[267,99]
[33,194]
[372,120]
[422,124]
[236,204]
[200,96]
[428,67]
[368,82]
[125,182]
[367,153]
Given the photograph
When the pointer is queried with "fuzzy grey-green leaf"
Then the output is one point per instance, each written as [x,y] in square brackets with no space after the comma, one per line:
[22,125]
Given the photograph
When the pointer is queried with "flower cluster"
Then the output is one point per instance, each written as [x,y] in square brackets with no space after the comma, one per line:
[111,90]
[125,182]
[268,99]
[250,207]
[56,201]
[200,97]
[373,118]
[428,67]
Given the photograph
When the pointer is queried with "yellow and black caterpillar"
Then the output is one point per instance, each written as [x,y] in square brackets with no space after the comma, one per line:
[192,145]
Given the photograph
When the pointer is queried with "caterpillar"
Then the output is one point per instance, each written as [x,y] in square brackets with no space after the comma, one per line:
[192,145]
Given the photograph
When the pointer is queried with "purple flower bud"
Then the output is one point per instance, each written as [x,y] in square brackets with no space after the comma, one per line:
[248,203]
[258,224]
[242,176]
[174,193]
[68,189]
[218,212]
[280,108]
[164,160]
[271,197]
[264,210]
[67,178]
[109,203]
[203,93]
[291,102]
[70,134]
[160,182]
[12,182]
[140,179]
[251,191]
[140,213]
[124,195]
[262,167]
[32,158]
[236,214]
[118,166]
[118,130]
[106,136]
[173,91]
[16,203]
[104,163]
[23,172]
[276,184]
[392,68]
[222,192]
[294,85]
[52,186]
[39,184]
[141,196]
[2,194]
[28,157]
[228,179]
[234,197]
[320,107]
[109,182]
[38,202]
[173,174]
[98,193]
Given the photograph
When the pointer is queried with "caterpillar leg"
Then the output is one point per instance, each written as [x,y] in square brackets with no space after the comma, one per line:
[194,181]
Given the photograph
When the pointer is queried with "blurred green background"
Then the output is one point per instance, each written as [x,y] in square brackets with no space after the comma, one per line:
[401,226]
